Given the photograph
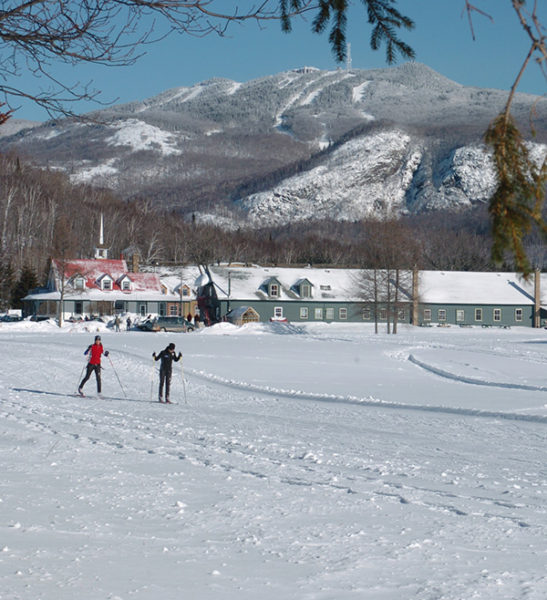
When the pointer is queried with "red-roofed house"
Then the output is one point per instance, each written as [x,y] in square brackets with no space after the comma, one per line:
[96,287]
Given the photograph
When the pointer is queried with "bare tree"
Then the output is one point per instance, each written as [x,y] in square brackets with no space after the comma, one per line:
[35,34]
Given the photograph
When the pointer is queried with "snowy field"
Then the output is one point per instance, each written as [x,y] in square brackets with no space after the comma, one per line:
[300,463]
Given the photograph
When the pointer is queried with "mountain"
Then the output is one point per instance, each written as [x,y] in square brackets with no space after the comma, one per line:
[301,144]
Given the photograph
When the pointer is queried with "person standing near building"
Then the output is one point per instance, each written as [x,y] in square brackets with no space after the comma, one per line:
[167,357]
[94,351]
[128,324]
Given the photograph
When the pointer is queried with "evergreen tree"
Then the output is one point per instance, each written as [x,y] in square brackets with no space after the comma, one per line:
[26,282]
[6,284]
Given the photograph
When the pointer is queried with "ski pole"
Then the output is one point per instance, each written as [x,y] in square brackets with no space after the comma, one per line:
[183,381]
[80,378]
[152,373]
[115,373]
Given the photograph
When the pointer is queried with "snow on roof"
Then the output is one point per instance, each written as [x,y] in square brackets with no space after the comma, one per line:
[464,287]
[92,269]
[435,287]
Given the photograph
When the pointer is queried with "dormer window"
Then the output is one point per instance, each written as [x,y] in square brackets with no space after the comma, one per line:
[274,290]
[125,283]
[105,282]
[305,290]
[79,283]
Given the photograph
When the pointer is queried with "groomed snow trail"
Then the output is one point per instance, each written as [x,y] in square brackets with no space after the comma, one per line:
[323,465]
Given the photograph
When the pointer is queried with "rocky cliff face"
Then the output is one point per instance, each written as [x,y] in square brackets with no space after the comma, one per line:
[292,146]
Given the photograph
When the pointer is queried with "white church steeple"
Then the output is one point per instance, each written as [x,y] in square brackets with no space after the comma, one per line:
[101,251]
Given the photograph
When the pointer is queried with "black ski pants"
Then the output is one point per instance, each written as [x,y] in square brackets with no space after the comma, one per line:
[89,370]
[165,379]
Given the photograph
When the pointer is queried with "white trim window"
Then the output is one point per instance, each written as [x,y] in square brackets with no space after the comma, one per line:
[304,313]
[305,290]
[329,314]
[318,314]
[274,290]
[365,313]
[383,314]
[441,315]
[518,315]
[126,285]
[343,314]
[460,315]
[478,314]
[106,283]
[401,314]
[173,310]
[427,314]
[497,315]
[79,283]
[278,312]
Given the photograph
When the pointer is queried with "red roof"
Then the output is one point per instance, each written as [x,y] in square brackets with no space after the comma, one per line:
[92,270]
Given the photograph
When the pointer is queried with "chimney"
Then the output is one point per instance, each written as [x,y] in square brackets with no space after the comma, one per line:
[134,263]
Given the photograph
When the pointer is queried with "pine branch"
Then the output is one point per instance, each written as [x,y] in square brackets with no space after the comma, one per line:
[516,205]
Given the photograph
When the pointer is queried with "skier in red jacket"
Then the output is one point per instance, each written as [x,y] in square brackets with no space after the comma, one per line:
[95,351]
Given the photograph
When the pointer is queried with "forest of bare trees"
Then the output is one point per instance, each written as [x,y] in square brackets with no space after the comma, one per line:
[42,215]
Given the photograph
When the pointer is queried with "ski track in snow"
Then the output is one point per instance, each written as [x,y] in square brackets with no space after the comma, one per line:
[256,490]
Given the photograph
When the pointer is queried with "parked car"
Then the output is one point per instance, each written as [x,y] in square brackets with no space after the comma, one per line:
[39,318]
[166,324]
[10,318]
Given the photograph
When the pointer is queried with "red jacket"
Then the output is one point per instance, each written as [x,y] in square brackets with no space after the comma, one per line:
[96,351]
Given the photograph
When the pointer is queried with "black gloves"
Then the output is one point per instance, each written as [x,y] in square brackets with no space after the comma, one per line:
[106,353]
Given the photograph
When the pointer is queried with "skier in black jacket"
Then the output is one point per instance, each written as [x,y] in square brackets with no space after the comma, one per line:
[167,357]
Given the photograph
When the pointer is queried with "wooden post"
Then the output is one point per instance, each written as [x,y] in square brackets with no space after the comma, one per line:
[537,298]
[415,293]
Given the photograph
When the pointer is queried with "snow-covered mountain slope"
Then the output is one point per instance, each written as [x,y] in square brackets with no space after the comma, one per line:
[304,143]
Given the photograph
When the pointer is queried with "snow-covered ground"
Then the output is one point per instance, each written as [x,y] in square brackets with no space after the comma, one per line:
[319,462]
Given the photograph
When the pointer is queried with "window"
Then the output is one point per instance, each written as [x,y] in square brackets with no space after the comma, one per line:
[78,308]
[305,290]
[497,314]
[107,284]
[274,290]
[478,314]
[278,312]
[142,310]
[441,315]
[401,314]
[318,314]
[383,314]
[342,314]
[162,309]
[79,283]
[427,314]
[329,314]
[460,315]
[303,312]
[126,285]
[173,310]
[518,314]
[365,313]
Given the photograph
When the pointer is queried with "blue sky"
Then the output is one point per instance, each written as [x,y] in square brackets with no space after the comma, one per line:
[442,40]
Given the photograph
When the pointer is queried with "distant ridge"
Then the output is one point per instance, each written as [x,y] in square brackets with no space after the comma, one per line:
[298,145]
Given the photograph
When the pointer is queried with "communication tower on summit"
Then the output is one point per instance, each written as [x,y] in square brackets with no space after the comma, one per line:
[348,57]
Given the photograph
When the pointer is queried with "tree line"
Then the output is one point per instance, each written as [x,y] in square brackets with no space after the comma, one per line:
[43,215]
